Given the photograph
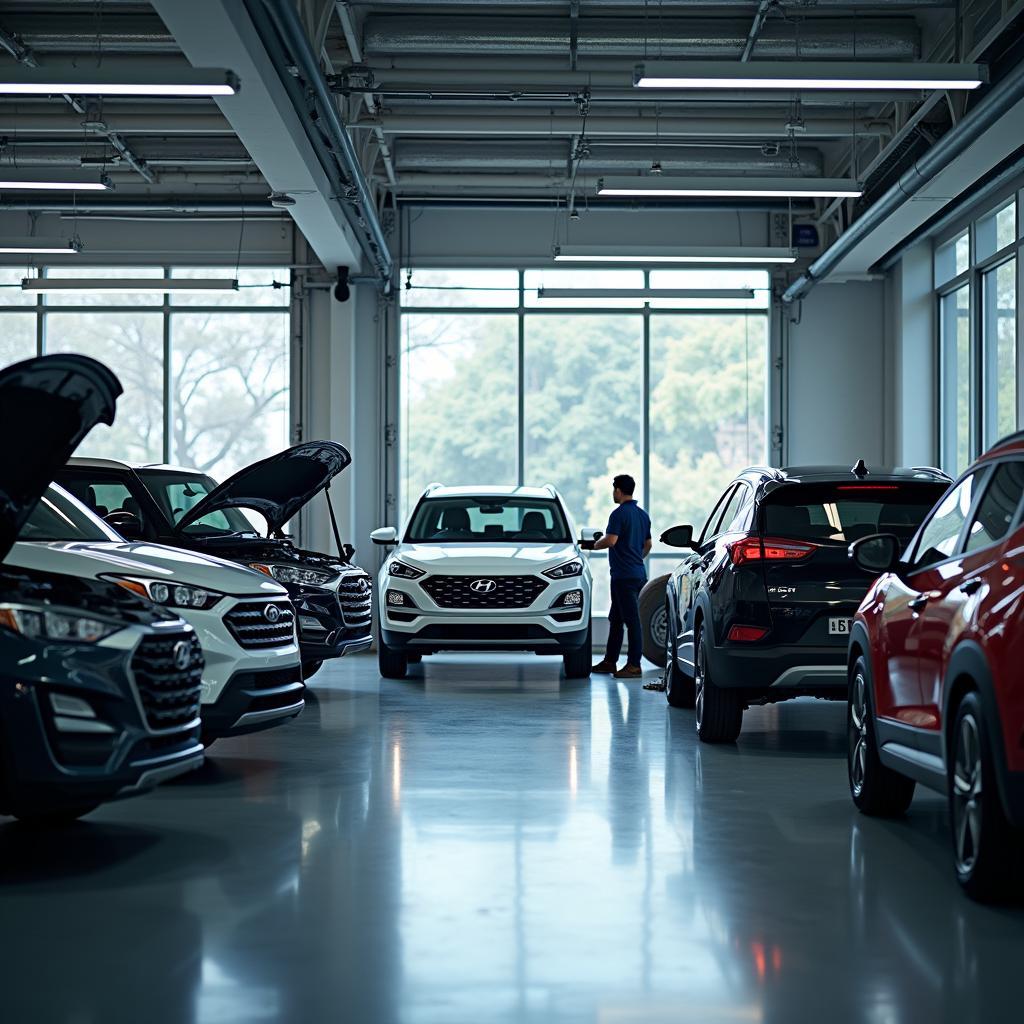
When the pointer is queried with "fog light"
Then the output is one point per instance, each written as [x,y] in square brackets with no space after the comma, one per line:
[572,599]
[396,599]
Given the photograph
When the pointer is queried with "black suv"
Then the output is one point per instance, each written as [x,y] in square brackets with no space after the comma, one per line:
[760,609]
[187,509]
[99,690]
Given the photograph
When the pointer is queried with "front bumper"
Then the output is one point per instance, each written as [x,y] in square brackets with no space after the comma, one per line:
[251,701]
[332,622]
[781,671]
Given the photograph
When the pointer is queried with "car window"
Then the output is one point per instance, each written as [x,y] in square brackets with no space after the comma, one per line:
[729,514]
[488,518]
[177,493]
[942,530]
[59,517]
[737,516]
[997,507]
[711,526]
[103,496]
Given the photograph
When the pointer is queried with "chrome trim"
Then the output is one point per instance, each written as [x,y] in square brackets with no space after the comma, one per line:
[155,776]
[271,713]
[800,674]
[63,723]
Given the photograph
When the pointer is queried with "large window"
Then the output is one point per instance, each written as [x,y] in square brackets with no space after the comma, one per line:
[504,384]
[205,375]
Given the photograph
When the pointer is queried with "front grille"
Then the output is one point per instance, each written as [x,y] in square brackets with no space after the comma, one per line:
[355,595]
[250,626]
[507,592]
[169,695]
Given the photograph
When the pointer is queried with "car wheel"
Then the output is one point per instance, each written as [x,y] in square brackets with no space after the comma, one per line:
[310,669]
[679,687]
[53,817]
[391,664]
[876,789]
[576,664]
[719,712]
[985,846]
[652,619]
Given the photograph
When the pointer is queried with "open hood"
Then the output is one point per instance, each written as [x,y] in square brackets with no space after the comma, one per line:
[276,487]
[47,405]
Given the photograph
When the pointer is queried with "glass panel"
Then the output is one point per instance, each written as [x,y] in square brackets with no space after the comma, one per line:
[755,279]
[488,520]
[707,410]
[17,337]
[460,288]
[89,298]
[581,279]
[459,405]
[952,259]
[941,532]
[131,344]
[998,507]
[995,232]
[229,389]
[255,287]
[999,294]
[10,287]
[956,368]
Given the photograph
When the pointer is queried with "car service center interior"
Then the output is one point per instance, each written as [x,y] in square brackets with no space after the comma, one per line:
[511,511]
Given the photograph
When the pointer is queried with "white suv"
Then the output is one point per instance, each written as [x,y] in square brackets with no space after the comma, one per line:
[485,569]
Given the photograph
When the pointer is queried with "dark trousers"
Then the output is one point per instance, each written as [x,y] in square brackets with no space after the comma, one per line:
[625,612]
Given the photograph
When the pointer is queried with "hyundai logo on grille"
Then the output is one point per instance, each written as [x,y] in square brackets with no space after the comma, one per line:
[181,655]
[271,613]
[482,586]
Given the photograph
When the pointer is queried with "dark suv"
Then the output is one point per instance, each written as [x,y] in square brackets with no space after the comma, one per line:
[99,690]
[760,609]
[187,509]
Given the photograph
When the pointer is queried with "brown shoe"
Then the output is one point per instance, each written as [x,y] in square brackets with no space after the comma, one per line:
[604,668]
[629,672]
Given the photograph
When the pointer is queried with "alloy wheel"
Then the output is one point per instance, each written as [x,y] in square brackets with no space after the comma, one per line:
[967,790]
[699,670]
[858,734]
[659,628]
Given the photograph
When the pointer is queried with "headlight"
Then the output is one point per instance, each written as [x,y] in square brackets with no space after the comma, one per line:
[560,572]
[41,624]
[295,574]
[404,572]
[172,595]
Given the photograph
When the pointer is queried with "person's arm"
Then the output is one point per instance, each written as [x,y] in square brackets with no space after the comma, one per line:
[606,540]
[647,547]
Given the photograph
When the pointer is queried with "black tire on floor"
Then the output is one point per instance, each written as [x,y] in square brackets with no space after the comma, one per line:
[986,848]
[53,817]
[652,619]
[576,664]
[680,690]
[310,668]
[719,712]
[876,789]
[391,664]
[414,659]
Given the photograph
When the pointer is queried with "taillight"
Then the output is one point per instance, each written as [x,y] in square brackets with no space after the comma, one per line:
[768,549]
[746,634]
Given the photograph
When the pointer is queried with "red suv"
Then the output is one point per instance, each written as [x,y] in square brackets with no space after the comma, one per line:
[936,693]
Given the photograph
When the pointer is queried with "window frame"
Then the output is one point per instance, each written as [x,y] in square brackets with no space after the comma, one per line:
[1015,520]
[983,472]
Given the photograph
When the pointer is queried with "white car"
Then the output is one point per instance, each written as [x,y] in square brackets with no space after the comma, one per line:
[244,621]
[485,569]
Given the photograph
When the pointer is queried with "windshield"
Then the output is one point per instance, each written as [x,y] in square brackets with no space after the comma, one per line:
[488,520]
[176,493]
[843,513]
[58,516]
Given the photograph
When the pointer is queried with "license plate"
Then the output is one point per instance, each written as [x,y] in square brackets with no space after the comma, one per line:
[839,627]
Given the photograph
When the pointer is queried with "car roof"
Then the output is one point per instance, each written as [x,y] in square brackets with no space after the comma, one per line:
[117,464]
[1009,445]
[824,474]
[490,490]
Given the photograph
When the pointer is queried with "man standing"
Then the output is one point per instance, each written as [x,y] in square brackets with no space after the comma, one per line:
[628,540]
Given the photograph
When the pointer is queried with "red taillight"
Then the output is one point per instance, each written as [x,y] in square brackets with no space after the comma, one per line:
[746,634]
[770,549]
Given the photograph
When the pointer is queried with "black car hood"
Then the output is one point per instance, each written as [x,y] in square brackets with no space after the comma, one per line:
[276,487]
[47,405]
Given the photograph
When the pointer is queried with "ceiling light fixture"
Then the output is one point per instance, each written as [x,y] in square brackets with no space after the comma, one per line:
[708,255]
[878,75]
[37,246]
[120,81]
[771,188]
[43,182]
[738,294]
[38,285]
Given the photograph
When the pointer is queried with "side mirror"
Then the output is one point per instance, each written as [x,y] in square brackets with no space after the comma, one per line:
[876,554]
[588,534]
[387,535]
[127,524]
[678,537]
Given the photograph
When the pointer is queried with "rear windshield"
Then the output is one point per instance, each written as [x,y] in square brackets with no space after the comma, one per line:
[843,513]
[177,493]
[488,520]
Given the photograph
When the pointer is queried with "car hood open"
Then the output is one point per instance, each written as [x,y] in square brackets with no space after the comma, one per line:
[276,487]
[47,405]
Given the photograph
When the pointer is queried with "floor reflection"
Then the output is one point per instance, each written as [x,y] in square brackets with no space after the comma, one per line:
[497,844]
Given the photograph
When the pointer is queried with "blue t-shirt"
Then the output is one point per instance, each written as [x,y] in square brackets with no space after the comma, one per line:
[632,525]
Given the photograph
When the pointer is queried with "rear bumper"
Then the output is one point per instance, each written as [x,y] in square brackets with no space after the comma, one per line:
[782,671]
[462,636]
[255,700]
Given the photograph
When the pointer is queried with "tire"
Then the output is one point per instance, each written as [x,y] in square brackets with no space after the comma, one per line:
[576,664]
[680,690]
[53,817]
[718,712]
[391,664]
[652,620]
[414,659]
[310,669]
[985,846]
[875,789]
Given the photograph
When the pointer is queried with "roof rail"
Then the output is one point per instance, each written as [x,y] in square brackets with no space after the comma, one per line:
[432,486]
[551,487]
[773,471]
[934,469]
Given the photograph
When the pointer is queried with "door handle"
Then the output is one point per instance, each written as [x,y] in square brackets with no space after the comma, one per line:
[972,585]
[918,603]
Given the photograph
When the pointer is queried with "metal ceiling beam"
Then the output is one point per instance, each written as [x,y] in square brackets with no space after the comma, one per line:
[676,6]
[22,122]
[17,49]
[763,9]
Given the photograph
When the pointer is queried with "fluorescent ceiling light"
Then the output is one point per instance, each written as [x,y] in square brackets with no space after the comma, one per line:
[803,188]
[645,293]
[46,246]
[128,284]
[742,255]
[116,81]
[48,182]
[799,74]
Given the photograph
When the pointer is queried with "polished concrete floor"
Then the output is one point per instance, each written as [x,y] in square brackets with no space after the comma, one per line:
[487,842]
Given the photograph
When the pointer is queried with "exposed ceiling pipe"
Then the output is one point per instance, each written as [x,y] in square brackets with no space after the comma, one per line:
[72,32]
[1002,97]
[17,49]
[760,17]
[465,202]
[683,6]
[256,206]
[46,123]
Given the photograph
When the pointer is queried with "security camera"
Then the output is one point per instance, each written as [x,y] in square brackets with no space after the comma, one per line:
[342,292]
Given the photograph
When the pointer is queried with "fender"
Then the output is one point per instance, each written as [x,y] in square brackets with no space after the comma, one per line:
[687,644]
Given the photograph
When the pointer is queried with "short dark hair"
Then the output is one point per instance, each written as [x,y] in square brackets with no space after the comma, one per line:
[625,483]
